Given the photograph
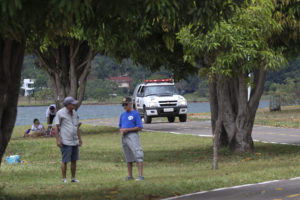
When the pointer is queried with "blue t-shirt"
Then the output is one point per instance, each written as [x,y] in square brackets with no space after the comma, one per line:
[130,120]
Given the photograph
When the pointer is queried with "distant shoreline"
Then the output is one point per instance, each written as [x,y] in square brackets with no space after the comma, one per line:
[95,104]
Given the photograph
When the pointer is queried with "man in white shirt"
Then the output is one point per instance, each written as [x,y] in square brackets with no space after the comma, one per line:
[68,137]
[50,114]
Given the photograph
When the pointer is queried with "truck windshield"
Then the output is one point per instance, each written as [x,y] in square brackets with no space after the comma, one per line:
[161,90]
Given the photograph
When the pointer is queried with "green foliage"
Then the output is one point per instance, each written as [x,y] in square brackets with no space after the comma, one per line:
[23,19]
[237,45]
[203,90]
[43,94]
[289,91]
[100,89]
[285,83]
[287,13]
[103,67]
[150,38]
[30,71]
[41,82]
[292,70]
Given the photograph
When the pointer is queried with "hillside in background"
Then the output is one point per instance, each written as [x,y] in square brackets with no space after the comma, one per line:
[284,82]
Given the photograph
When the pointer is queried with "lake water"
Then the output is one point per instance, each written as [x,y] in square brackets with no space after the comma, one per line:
[27,114]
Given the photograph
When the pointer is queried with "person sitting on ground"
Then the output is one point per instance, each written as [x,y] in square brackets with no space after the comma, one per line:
[50,114]
[37,129]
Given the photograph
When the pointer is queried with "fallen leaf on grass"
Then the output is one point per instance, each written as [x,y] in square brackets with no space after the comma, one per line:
[293,195]
[247,159]
[114,192]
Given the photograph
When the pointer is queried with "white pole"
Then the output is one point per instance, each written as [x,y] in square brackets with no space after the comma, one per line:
[249,85]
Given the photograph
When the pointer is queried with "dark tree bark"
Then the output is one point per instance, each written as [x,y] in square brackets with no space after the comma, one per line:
[67,67]
[232,114]
[11,60]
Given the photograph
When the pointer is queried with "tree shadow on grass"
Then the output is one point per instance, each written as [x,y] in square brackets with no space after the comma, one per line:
[95,130]
[133,190]
[128,192]
[195,153]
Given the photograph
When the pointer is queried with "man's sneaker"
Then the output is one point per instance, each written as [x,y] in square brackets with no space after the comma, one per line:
[64,180]
[128,178]
[74,180]
[140,178]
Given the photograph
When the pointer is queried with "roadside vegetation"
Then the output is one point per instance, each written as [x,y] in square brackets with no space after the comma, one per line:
[288,117]
[31,101]
[195,98]
[174,165]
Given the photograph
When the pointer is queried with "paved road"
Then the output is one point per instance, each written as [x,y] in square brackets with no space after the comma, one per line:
[203,128]
[275,190]
[279,190]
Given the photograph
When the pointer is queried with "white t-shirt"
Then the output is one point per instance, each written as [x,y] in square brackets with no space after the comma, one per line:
[39,128]
[48,112]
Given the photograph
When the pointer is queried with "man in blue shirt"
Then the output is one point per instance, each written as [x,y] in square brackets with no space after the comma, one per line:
[130,124]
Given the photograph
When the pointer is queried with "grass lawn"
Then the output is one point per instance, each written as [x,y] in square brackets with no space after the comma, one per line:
[174,165]
[288,117]
[191,97]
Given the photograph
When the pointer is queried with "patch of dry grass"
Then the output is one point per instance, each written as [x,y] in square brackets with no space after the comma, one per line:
[288,117]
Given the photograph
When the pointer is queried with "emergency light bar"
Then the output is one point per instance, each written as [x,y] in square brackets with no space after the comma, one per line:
[168,80]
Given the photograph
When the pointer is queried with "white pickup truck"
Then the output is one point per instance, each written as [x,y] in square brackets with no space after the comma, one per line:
[159,98]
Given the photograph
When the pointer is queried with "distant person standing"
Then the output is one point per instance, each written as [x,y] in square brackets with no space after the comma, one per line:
[50,114]
[68,137]
[130,124]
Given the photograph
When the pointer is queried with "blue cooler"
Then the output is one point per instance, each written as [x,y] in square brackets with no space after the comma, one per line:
[13,159]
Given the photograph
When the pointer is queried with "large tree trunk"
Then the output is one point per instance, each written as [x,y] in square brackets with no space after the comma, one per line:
[11,60]
[67,67]
[232,114]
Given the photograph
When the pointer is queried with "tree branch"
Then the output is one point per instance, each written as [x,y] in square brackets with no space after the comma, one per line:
[74,53]
[84,75]
[38,53]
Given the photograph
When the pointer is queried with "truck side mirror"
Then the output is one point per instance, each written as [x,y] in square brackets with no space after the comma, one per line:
[139,95]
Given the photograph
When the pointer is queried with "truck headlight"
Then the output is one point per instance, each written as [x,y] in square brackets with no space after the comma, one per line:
[182,102]
[153,104]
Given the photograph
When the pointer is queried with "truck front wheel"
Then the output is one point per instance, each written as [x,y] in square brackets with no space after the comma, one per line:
[147,119]
[171,119]
[182,118]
